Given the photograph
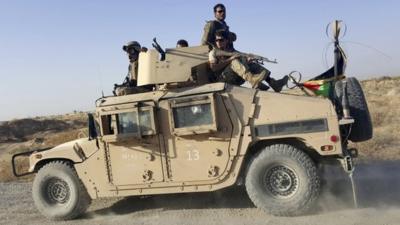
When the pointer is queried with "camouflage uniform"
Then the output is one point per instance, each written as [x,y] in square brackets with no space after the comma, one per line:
[239,71]
[133,71]
[209,32]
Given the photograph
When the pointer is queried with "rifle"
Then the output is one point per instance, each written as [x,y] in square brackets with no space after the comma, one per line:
[259,59]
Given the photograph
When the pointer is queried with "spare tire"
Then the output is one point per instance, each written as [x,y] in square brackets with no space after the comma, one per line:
[361,130]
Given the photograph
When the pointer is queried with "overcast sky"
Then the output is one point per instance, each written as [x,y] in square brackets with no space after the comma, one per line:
[57,56]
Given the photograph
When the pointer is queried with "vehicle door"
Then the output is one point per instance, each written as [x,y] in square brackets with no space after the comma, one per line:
[130,134]
[197,132]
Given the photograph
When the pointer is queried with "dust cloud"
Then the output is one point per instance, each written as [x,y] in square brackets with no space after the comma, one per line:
[377,185]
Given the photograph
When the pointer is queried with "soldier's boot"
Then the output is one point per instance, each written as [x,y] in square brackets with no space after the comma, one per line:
[263,87]
[277,85]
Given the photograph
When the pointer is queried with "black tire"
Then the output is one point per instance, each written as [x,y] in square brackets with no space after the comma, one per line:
[58,193]
[361,130]
[282,180]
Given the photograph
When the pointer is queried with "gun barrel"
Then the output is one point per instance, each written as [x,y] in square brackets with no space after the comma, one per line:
[220,52]
[271,61]
[261,58]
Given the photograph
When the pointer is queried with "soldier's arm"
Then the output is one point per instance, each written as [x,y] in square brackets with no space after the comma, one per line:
[217,65]
[207,34]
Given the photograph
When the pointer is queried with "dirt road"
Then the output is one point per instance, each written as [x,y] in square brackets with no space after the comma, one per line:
[378,188]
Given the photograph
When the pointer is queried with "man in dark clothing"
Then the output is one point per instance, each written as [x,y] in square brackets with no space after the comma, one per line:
[218,24]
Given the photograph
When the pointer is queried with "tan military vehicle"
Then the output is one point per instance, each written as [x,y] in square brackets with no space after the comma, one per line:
[190,135]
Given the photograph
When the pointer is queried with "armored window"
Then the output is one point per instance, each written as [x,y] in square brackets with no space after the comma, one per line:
[146,121]
[193,115]
[106,125]
[140,122]
[127,123]
[124,122]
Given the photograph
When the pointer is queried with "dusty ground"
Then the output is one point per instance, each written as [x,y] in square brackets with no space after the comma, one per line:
[378,186]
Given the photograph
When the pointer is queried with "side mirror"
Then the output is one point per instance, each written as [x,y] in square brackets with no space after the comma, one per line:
[92,127]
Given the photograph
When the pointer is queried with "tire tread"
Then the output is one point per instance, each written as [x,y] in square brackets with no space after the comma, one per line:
[84,199]
[301,204]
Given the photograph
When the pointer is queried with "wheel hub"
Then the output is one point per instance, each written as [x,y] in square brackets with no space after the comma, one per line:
[281,181]
[57,191]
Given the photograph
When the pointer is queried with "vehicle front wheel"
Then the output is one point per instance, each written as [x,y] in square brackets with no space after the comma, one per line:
[58,192]
[282,180]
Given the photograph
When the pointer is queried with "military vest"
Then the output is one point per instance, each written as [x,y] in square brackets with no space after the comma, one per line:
[209,31]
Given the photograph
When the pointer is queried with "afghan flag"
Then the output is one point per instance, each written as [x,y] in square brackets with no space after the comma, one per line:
[319,87]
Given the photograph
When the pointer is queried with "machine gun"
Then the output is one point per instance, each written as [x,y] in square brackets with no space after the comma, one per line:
[257,58]
[159,49]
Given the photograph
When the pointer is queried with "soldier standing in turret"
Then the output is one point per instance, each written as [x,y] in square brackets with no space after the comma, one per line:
[129,86]
[132,49]
[218,24]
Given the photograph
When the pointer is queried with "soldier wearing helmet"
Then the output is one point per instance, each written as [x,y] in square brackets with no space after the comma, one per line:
[129,86]
[133,49]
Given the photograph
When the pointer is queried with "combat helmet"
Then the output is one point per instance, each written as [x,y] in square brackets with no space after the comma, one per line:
[132,44]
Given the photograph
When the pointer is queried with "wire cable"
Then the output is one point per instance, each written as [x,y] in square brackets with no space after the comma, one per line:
[388,57]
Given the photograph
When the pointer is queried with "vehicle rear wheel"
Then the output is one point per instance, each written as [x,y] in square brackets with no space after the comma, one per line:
[58,193]
[282,180]
[361,130]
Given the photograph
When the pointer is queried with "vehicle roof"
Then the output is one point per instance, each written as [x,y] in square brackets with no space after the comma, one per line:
[160,94]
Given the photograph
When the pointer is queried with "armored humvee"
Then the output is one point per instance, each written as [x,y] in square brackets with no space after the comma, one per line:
[194,136]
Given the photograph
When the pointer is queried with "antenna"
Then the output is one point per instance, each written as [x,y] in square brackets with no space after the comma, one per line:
[336,27]
[100,80]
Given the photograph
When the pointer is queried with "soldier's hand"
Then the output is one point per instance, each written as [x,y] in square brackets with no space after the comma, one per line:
[250,59]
